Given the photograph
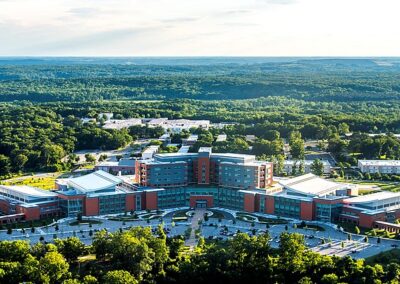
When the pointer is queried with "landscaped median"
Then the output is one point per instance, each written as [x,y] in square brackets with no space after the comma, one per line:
[247,217]
[134,216]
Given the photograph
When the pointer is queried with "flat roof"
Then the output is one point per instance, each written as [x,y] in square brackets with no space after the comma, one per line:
[184,149]
[107,164]
[311,184]
[94,181]
[379,162]
[382,195]
[151,149]
[205,150]
[29,190]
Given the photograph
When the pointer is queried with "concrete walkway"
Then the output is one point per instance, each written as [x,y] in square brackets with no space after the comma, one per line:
[198,216]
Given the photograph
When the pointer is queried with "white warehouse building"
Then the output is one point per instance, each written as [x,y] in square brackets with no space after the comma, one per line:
[379,166]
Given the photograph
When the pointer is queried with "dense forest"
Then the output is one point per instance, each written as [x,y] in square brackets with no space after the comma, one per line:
[138,256]
[339,80]
[43,100]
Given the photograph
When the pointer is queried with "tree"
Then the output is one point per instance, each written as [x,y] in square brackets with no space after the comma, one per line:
[343,128]
[119,277]
[53,268]
[279,164]
[52,154]
[357,230]
[317,167]
[329,279]
[89,279]
[5,165]
[90,158]
[294,169]
[301,167]
[71,248]
[296,144]
[19,161]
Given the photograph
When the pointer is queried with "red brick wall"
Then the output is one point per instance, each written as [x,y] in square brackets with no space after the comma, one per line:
[151,200]
[269,205]
[71,197]
[4,206]
[31,213]
[397,214]
[130,203]
[306,210]
[208,198]
[91,207]
[206,163]
[257,202]
[249,202]
[367,221]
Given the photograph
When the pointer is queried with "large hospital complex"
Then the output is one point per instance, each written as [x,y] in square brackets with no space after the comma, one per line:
[202,179]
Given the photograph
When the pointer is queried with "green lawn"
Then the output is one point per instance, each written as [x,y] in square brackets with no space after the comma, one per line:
[28,224]
[181,213]
[84,222]
[311,227]
[217,215]
[247,217]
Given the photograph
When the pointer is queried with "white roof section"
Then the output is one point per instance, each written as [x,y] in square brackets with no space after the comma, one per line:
[29,191]
[193,137]
[379,163]
[221,138]
[107,164]
[122,123]
[373,197]
[205,150]
[312,185]
[98,180]
[184,149]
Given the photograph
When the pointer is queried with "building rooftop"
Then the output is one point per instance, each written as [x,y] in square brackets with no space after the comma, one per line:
[151,149]
[379,162]
[205,150]
[312,185]
[121,123]
[221,138]
[98,180]
[378,196]
[184,149]
[126,162]
[29,191]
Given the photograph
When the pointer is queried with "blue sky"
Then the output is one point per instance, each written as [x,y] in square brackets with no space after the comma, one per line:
[200,27]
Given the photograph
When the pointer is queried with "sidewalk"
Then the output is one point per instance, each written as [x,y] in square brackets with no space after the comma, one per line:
[198,215]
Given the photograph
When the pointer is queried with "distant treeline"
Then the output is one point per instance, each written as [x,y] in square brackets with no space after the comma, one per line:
[309,80]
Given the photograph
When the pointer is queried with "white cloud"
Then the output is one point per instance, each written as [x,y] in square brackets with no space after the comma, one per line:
[207,27]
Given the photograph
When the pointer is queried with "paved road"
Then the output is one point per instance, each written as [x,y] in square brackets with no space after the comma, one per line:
[198,216]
